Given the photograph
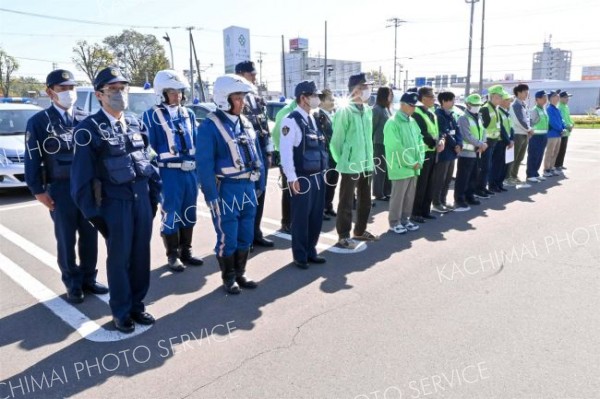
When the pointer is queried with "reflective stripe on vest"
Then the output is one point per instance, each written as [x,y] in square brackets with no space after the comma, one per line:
[170,135]
[541,127]
[493,130]
[432,127]
[476,131]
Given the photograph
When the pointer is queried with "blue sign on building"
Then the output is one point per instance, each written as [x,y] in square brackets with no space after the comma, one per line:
[420,81]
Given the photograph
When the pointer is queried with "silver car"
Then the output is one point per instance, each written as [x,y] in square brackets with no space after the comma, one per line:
[13,122]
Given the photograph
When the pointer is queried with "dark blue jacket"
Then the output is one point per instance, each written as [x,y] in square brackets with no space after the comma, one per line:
[555,122]
[447,124]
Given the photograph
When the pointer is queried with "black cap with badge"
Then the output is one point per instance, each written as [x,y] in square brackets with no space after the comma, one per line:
[60,77]
[107,76]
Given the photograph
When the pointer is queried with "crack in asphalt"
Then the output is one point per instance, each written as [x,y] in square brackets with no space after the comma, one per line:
[292,343]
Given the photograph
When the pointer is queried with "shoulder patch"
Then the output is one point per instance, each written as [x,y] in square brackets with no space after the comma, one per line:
[285,130]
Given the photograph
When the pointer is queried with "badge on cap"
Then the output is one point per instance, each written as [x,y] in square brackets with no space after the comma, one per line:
[114,72]
[285,130]
[65,75]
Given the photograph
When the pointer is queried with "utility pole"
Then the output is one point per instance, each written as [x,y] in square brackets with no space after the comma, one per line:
[260,62]
[168,40]
[396,22]
[482,37]
[190,28]
[468,84]
[325,67]
[283,83]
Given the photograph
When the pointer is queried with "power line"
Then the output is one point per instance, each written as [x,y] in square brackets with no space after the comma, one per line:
[84,21]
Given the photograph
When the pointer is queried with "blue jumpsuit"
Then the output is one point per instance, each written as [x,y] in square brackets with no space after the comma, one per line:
[112,178]
[48,158]
[230,176]
[175,149]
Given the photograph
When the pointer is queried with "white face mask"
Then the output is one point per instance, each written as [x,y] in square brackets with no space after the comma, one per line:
[66,99]
[314,102]
[474,109]
[366,93]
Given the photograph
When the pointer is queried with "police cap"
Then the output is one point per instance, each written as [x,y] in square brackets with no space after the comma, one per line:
[107,76]
[60,77]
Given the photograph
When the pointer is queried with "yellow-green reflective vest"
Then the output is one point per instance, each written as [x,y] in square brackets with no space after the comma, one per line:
[543,124]
[476,130]
[506,123]
[565,112]
[432,127]
[493,130]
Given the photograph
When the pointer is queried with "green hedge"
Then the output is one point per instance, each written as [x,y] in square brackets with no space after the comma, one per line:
[587,122]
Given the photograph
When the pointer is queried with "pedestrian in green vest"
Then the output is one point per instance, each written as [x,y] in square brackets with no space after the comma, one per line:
[539,139]
[563,106]
[491,123]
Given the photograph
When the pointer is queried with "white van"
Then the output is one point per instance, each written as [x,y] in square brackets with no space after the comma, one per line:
[140,100]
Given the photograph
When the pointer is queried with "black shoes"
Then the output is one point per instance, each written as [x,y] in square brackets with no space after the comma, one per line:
[228,275]
[75,296]
[418,219]
[185,248]
[331,212]
[95,288]
[473,202]
[263,242]
[125,326]
[302,265]
[171,242]
[429,216]
[241,258]
[143,318]
[285,228]
[316,259]
[325,217]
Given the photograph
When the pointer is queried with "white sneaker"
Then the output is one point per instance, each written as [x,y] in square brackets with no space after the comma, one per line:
[541,178]
[347,243]
[509,182]
[556,172]
[533,179]
[410,226]
[461,208]
[398,229]
[525,185]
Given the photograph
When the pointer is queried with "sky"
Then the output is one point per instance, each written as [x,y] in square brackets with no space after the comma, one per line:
[433,40]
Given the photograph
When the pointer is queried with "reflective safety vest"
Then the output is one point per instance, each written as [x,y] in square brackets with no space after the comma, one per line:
[432,126]
[310,156]
[178,134]
[493,130]
[541,127]
[565,112]
[244,162]
[506,122]
[476,130]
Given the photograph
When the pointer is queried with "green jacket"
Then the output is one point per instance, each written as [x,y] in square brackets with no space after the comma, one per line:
[352,140]
[283,112]
[565,112]
[404,147]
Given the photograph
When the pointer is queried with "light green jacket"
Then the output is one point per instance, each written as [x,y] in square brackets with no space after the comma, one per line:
[283,112]
[352,140]
[565,112]
[404,147]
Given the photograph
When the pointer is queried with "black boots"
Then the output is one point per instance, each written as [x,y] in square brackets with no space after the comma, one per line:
[227,266]
[185,248]
[241,257]
[171,242]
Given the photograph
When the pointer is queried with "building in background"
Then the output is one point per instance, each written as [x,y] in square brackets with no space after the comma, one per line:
[551,63]
[236,47]
[300,66]
[591,72]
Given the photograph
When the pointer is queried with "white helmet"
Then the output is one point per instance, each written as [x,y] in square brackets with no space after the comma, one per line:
[169,79]
[226,85]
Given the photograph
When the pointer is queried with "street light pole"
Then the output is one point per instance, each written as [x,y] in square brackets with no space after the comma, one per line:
[396,22]
[168,39]
[482,37]
[468,84]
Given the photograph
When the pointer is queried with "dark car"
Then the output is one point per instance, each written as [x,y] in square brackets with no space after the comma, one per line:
[202,110]
[273,107]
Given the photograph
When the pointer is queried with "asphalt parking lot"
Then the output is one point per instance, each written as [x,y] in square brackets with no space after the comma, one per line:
[498,302]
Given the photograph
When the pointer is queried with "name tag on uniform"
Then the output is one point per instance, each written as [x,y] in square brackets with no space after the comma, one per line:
[452,132]
[137,136]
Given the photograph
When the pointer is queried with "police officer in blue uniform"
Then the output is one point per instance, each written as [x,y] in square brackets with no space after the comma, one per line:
[48,158]
[230,172]
[118,190]
[254,110]
[304,160]
[172,130]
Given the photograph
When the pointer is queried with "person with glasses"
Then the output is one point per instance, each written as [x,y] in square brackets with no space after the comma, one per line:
[117,189]
[172,133]
[48,163]
[304,160]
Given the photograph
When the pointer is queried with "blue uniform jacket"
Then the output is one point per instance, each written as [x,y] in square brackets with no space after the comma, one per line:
[38,147]
[555,122]
[447,123]
[87,162]
[157,135]
[214,148]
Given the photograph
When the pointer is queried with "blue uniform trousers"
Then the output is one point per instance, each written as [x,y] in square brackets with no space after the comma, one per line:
[535,154]
[483,177]
[235,223]
[498,171]
[466,177]
[179,196]
[261,200]
[68,221]
[128,250]
[307,216]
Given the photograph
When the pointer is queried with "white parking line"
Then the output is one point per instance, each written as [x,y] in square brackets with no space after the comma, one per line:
[11,208]
[85,327]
